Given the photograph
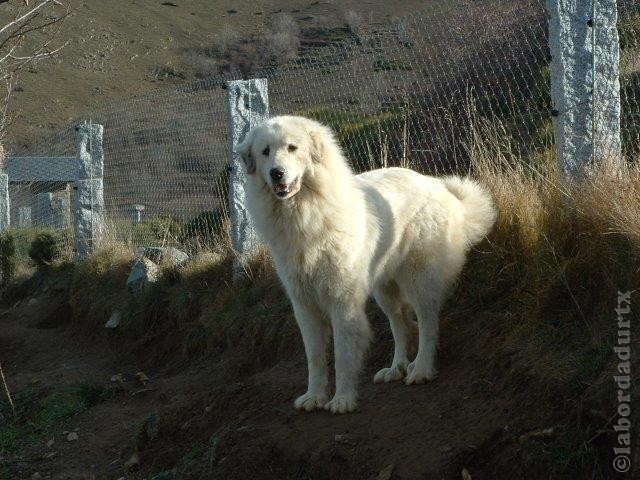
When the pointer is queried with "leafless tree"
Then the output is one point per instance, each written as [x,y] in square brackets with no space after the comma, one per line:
[29,32]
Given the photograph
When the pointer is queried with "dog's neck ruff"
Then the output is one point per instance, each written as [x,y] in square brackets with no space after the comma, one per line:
[317,213]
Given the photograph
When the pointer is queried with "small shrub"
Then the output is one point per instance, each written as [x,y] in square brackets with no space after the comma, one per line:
[168,71]
[405,36]
[164,227]
[44,249]
[227,41]
[7,257]
[203,65]
[384,65]
[283,41]
[356,24]
[206,228]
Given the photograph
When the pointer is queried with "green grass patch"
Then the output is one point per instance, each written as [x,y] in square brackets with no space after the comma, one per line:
[362,135]
[386,65]
[38,415]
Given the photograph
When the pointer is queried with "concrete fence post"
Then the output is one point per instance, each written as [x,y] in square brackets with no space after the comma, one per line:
[4,202]
[24,217]
[585,86]
[44,210]
[89,214]
[247,107]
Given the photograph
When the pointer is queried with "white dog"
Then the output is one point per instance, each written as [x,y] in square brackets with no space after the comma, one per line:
[336,238]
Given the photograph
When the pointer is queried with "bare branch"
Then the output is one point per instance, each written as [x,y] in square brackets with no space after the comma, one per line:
[28,14]
[17,47]
[7,392]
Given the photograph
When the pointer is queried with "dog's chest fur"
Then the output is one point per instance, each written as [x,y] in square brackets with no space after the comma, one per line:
[313,243]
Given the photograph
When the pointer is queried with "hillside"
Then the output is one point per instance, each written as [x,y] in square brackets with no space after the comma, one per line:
[117,49]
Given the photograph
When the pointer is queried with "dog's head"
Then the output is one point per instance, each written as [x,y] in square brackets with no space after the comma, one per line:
[282,151]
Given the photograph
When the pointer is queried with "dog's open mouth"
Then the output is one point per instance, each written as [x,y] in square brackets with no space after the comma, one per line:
[284,189]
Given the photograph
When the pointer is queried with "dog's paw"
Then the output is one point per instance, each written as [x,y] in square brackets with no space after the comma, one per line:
[342,404]
[310,401]
[419,374]
[391,374]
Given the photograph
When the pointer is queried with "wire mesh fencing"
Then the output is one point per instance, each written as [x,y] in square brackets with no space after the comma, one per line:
[409,91]
[405,91]
[629,36]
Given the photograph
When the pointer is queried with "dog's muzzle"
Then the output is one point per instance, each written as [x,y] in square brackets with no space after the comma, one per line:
[284,189]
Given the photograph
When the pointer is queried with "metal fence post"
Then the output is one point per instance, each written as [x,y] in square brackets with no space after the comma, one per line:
[247,106]
[4,202]
[89,194]
[585,85]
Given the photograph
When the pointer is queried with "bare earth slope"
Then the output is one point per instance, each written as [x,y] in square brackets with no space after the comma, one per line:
[208,420]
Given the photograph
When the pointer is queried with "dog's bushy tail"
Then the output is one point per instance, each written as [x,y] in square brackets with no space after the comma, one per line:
[479,210]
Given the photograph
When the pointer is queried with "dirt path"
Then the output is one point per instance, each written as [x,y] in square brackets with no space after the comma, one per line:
[203,421]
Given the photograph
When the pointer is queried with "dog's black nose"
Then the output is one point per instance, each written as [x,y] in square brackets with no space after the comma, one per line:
[276,173]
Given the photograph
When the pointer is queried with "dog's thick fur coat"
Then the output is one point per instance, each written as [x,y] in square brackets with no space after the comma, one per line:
[337,238]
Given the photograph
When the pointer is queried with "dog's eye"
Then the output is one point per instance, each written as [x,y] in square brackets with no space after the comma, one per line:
[292,148]
[265,152]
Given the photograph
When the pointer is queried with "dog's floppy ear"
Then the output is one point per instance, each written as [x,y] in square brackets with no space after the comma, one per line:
[316,148]
[244,150]
[322,141]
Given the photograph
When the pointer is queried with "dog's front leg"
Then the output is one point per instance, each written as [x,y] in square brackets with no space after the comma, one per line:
[351,335]
[315,335]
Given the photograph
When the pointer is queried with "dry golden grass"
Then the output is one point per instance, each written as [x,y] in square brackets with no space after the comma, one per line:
[546,282]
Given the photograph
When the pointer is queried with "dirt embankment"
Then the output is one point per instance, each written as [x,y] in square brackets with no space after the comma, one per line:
[213,418]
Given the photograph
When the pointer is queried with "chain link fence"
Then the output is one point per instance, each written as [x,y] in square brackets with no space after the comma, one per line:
[407,91]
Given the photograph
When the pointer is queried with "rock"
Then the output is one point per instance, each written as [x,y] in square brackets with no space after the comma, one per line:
[119,379]
[72,437]
[32,301]
[143,273]
[445,448]
[50,443]
[36,476]
[142,378]
[163,255]
[49,455]
[386,472]
[466,475]
[543,433]
[133,462]
[346,439]
[114,320]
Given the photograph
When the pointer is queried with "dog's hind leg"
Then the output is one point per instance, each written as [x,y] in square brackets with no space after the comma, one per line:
[315,335]
[389,299]
[351,336]
[425,297]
